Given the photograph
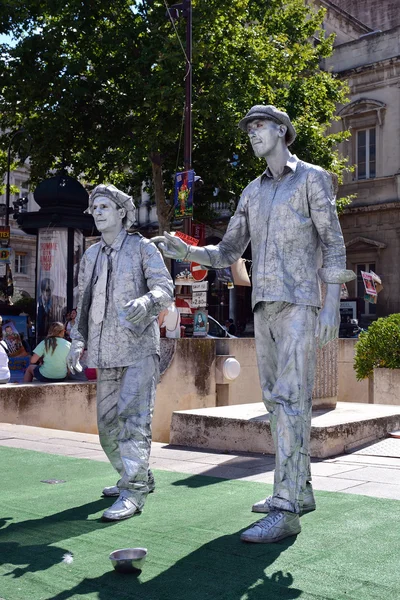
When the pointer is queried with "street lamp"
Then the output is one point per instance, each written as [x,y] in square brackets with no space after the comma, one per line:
[22,158]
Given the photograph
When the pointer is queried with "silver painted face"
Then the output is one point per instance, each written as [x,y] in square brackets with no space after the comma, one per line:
[263,135]
[107,215]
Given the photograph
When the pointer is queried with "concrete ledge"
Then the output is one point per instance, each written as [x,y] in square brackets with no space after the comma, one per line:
[245,428]
[69,406]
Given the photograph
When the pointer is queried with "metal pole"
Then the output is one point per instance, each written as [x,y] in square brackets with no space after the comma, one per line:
[187,4]
[188,90]
[7,221]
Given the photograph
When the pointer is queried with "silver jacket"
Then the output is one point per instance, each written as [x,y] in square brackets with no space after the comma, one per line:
[138,271]
[294,230]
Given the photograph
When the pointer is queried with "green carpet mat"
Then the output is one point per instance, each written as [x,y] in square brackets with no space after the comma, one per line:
[348,548]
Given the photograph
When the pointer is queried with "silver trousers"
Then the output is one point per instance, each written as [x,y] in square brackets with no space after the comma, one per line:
[286,355]
[125,404]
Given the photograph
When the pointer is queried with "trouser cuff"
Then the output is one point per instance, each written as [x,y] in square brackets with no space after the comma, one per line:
[282,504]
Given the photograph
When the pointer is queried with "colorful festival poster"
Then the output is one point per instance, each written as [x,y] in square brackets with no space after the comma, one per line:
[183,196]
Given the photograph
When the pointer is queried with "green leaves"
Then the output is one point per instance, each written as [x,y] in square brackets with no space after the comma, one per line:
[100,87]
[378,347]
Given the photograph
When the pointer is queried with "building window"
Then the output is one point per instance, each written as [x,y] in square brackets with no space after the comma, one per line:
[369,309]
[366,153]
[21,263]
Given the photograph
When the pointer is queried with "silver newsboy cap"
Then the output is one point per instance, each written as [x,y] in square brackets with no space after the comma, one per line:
[260,111]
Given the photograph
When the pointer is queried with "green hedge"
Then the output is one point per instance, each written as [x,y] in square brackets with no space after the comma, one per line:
[378,347]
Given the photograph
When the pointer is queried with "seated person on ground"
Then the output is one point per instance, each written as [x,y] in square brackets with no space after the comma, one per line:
[4,370]
[52,351]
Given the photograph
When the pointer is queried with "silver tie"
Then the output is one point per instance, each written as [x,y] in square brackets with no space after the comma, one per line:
[100,291]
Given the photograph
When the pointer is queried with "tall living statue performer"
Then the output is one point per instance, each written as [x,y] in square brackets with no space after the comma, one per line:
[123,286]
[289,215]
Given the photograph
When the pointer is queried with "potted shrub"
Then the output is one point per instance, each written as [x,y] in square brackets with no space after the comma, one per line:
[377,353]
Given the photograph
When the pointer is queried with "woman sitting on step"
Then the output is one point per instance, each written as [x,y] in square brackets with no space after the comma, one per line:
[52,352]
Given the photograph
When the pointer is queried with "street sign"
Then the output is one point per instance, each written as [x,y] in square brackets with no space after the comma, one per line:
[198,272]
[4,236]
[5,255]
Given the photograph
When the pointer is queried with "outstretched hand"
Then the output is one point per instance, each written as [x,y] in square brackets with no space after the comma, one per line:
[171,246]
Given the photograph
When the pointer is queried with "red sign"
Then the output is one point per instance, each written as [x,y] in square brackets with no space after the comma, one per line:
[186,238]
[198,272]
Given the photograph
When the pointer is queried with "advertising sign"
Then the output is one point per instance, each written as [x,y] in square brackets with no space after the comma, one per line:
[15,334]
[200,323]
[5,255]
[51,278]
[183,196]
[201,286]
[369,283]
[4,236]
[199,299]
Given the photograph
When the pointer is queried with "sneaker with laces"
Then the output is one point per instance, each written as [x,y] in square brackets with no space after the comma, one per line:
[264,506]
[278,525]
[123,508]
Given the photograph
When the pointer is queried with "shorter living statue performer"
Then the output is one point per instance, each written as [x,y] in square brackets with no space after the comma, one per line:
[289,215]
[123,286]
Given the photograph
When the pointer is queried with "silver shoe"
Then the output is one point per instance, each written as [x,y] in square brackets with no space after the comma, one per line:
[123,508]
[264,506]
[277,526]
[114,491]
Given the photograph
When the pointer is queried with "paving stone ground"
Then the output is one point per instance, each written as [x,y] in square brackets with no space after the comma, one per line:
[373,470]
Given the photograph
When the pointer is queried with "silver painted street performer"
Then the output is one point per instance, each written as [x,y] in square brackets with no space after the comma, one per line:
[123,286]
[289,215]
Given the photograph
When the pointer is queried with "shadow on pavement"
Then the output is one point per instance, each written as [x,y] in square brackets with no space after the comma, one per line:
[29,543]
[224,569]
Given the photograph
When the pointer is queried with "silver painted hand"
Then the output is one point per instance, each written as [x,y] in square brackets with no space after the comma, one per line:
[74,355]
[136,310]
[171,246]
[329,317]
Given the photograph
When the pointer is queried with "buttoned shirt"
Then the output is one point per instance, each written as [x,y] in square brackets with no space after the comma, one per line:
[294,230]
[136,270]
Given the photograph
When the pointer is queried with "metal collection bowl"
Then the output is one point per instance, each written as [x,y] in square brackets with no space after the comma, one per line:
[128,560]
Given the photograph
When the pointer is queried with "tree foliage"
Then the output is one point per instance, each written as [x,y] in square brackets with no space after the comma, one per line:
[100,88]
[378,347]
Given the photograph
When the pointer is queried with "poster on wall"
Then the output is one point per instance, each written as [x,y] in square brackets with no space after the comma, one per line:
[78,253]
[51,278]
[15,335]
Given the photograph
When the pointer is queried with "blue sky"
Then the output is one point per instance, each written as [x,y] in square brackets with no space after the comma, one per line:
[5,39]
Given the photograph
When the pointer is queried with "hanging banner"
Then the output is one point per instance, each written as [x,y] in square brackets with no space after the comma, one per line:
[183,196]
[51,290]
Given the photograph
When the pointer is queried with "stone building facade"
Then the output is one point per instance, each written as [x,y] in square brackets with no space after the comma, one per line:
[370,63]
[23,265]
